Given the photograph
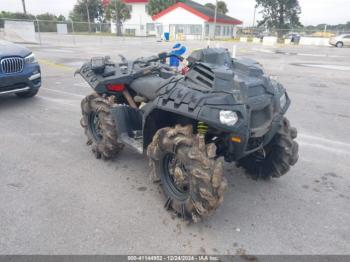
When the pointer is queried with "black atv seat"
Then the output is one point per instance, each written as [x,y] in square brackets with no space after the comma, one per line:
[149,86]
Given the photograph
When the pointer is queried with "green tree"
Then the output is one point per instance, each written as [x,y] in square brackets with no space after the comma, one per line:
[222,7]
[85,10]
[9,15]
[119,12]
[61,18]
[48,22]
[210,5]
[47,17]
[280,15]
[340,28]
[156,6]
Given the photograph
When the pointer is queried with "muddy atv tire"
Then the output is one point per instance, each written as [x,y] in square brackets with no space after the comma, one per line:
[280,154]
[99,126]
[191,176]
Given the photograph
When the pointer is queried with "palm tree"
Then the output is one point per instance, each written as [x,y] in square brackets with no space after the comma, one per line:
[24,6]
[156,6]
[88,14]
[120,12]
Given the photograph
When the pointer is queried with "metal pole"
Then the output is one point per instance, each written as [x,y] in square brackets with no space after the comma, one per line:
[215,17]
[254,16]
[38,30]
[254,20]
[74,42]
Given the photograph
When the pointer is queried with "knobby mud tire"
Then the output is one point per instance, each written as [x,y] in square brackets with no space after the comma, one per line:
[204,171]
[281,154]
[107,146]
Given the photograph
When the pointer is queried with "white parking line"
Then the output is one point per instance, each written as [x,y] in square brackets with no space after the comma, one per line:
[81,84]
[269,51]
[263,50]
[320,55]
[64,92]
[71,103]
[325,66]
[325,144]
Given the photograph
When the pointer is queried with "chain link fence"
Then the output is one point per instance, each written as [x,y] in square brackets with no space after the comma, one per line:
[69,32]
[74,33]
[285,33]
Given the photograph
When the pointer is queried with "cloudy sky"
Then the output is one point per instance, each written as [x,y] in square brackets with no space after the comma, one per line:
[313,11]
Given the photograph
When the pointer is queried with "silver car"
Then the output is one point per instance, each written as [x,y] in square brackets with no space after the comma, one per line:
[340,40]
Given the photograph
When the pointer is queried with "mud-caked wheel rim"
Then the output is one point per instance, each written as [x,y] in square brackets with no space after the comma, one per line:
[178,188]
[95,126]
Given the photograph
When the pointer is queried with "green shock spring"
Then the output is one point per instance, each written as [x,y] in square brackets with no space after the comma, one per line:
[202,128]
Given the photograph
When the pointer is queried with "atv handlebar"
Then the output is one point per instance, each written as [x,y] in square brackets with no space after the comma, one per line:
[166,55]
[155,58]
[159,57]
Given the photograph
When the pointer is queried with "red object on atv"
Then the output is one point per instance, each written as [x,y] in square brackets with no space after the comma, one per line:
[185,70]
[115,87]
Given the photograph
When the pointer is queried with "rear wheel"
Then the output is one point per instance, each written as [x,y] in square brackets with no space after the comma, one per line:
[339,44]
[191,176]
[28,94]
[276,158]
[99,126]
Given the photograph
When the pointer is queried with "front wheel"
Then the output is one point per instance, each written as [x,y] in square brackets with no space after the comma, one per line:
[339,45]
[276,158]
[191,176]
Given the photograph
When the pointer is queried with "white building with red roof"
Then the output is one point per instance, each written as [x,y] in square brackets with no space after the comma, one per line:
[183,20]
[140,23]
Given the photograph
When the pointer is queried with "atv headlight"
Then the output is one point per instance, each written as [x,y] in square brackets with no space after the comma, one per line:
[30,59]
[283,100]
[228,118]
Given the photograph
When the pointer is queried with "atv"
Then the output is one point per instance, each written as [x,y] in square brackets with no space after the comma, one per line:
[222,108]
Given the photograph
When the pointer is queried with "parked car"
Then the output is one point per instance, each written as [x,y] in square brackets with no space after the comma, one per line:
[19,70]
[294,38]
[340,40]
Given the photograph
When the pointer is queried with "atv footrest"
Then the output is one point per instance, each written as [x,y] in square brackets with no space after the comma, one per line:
[128,123]
[132,143]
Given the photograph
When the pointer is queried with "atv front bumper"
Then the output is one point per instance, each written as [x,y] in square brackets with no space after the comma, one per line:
[256,127]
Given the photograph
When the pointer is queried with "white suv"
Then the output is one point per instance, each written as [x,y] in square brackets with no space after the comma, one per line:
[340,40]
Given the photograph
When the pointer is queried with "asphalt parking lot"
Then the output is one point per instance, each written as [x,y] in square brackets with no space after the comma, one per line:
[56,198]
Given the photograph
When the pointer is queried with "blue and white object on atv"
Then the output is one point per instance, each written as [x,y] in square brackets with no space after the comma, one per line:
[178,50]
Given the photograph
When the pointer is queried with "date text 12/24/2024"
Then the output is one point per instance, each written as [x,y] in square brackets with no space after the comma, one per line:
[173,258]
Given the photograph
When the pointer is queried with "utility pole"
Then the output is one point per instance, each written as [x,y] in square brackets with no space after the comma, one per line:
[215,17]
[24,6]
[252,31]
[254,16]
[117,26]
[88,14]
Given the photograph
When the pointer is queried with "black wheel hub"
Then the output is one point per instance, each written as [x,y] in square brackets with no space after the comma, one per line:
[94,124]
[175,178]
